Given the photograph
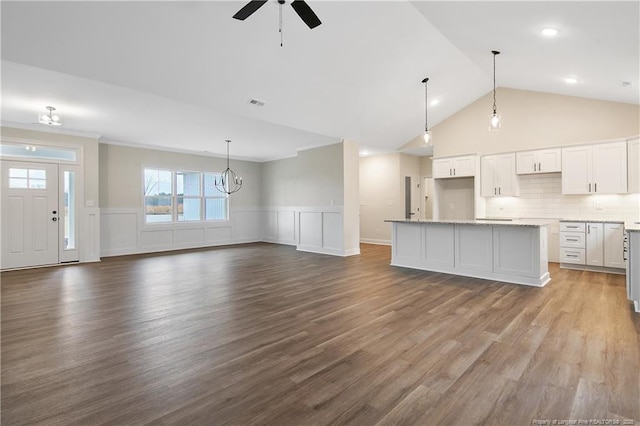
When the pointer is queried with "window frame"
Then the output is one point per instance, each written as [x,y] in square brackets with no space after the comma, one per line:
[202,197]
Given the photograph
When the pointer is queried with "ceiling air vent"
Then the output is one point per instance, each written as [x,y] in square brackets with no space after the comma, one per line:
[256,102]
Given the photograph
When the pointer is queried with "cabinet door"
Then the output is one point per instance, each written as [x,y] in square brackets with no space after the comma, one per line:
[614,245]
[488,166]
[610,168]
[595,246]
[506,178]
[464,166]
[526,162]
[549,160]
[633,271]
[442,168]
[576,170]
[474,248]
[633,162]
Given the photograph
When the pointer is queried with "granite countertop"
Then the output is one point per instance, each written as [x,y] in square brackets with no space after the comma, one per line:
[497,222]
[591,220]
[632,226]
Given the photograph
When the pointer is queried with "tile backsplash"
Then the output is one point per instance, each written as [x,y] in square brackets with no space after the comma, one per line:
[541,197]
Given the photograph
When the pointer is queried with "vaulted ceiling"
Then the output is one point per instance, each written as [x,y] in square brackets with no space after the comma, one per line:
[180,75]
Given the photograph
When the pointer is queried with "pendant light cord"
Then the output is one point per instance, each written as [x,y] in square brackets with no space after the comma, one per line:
[426,112]
[281,36]
[495,52]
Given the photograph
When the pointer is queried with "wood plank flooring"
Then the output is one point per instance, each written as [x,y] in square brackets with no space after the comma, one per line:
[263,334]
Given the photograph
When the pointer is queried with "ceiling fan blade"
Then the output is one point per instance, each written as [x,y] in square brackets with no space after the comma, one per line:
[249,9]
[306,14]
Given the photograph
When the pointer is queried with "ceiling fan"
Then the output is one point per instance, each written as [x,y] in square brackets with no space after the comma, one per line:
[301,7]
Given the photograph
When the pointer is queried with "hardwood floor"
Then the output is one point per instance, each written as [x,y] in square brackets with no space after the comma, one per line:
[263,334]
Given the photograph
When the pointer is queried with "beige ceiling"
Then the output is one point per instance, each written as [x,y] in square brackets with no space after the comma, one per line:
[179,75]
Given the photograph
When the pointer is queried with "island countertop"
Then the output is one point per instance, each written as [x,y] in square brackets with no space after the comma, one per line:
[498,222]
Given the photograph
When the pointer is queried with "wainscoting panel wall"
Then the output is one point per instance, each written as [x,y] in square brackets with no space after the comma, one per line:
[321,230]
[313,229]
[91,234]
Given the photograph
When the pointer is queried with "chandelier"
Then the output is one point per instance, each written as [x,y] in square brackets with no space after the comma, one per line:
[228,182]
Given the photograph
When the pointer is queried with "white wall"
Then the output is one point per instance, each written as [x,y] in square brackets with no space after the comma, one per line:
[351,197]
[313,178]
[313,191]
[533,120]
[382,193]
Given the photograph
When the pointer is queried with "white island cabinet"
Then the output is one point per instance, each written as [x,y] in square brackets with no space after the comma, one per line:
[633,264]
[513,252]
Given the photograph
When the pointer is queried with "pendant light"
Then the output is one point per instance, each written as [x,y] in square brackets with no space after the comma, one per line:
[228,182]
[495,122]
[427,132]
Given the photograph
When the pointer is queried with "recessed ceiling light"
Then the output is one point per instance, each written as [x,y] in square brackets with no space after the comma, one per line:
[626,84]
[435,102]
[549,32]
[571,80]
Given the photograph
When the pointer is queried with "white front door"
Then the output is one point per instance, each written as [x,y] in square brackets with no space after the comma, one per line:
[29,214]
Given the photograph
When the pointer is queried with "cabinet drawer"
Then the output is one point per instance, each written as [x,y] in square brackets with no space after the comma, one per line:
[572,239]
[572,227]
[571,255]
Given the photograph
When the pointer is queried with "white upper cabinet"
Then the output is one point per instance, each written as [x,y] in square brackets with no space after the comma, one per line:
[543,161]
[453,167]
[595,169]
[498,174]
[633,160]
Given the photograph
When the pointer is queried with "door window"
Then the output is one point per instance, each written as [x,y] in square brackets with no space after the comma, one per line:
[27,178]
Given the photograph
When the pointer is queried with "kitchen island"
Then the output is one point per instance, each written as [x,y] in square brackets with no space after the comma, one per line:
[509,251]
[633,263]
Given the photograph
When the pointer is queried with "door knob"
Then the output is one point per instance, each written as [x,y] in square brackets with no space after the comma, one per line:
[54,212]
[55,219]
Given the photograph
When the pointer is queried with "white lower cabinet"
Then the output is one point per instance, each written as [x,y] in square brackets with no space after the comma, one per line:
[595,244]
[592,244]
[633,268]
[613,245]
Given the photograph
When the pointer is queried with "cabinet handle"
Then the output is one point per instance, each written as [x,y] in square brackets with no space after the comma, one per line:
[450,172]
[572,255]
[570,239]
[539,167]
[495,191]
[534,167]
[572,226]
[595,187]
[589,187]
[499,190]
[454,172]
